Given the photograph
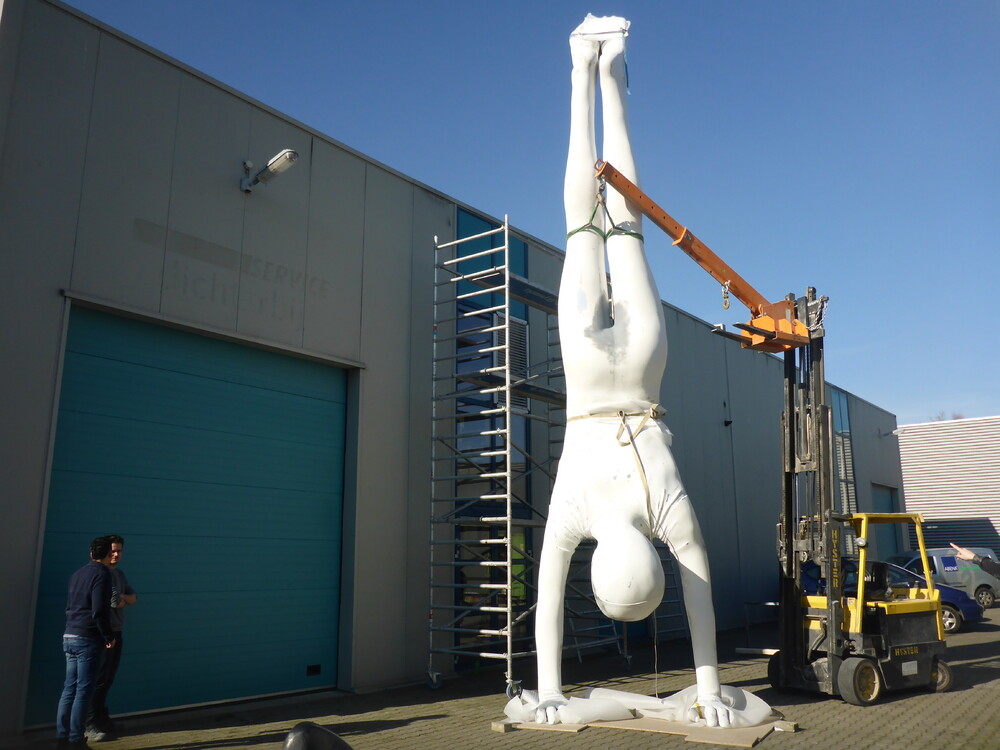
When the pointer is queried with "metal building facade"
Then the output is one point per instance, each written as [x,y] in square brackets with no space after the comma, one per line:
[951,474]
[119,192]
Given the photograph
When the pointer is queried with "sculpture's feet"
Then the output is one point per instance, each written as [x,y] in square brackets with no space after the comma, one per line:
[613,56]
[601,28]
[584,53]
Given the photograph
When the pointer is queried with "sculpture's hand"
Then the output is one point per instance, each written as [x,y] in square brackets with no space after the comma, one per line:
[547,711]
[712,710]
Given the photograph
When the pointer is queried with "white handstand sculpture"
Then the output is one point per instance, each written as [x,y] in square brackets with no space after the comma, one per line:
[617,480]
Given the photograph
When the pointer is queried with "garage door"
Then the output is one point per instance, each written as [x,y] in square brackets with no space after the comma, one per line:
[223,467]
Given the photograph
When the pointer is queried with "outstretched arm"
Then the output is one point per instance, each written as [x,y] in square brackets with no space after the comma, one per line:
[987,564]
[961,552]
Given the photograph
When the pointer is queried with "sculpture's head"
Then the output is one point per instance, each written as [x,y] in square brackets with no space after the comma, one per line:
[626,574]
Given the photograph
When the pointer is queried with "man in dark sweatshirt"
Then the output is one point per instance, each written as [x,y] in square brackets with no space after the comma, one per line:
[88,632]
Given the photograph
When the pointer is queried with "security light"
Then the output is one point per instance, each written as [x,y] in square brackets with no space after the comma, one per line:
[278,164]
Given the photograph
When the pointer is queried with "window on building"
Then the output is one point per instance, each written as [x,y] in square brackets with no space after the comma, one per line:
[843,461]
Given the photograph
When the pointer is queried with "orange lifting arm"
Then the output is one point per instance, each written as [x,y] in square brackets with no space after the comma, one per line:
[773,326]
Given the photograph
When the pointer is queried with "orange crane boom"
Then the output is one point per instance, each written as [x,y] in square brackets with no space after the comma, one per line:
[773,326]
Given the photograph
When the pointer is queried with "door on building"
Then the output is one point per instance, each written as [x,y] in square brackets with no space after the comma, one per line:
[886,535]
[223,467]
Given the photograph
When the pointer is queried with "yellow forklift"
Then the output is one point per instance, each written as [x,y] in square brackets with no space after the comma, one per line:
[854,635]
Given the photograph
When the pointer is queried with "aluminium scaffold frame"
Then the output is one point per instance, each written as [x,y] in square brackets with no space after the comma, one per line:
[485,521]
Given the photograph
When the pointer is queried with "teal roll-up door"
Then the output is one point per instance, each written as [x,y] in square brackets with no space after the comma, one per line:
[223,467]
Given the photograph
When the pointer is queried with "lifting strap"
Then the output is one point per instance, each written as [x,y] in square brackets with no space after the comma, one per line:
[655,411]
[590,226]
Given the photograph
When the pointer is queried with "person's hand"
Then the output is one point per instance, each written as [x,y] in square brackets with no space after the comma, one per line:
[962,553]
[547,711]
[712,711]
[110,645]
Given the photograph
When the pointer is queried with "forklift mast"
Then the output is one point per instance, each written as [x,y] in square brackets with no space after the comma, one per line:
[809,526]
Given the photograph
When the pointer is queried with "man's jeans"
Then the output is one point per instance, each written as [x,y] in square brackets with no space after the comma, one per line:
[98,717]
[83,661]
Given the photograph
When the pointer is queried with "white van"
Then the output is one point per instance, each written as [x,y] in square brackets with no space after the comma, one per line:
[962,574]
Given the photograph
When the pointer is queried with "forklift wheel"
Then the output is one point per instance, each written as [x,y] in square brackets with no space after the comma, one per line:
[940,677]
[859,681]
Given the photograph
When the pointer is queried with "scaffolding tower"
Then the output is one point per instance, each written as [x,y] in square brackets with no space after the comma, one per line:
[490,481]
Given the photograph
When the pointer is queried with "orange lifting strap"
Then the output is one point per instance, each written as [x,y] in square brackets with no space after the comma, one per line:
[773,326]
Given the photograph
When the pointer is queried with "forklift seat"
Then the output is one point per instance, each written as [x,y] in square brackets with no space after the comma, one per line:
[877,586]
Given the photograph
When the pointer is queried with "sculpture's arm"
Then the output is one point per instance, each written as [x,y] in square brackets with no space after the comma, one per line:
[552,574]
[688,548]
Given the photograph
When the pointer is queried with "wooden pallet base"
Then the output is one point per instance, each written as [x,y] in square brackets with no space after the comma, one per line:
[742,737]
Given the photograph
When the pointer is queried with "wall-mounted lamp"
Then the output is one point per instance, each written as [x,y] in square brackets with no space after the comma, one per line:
[278,164]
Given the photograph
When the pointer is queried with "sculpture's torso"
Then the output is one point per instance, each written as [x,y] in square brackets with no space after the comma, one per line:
[612,365]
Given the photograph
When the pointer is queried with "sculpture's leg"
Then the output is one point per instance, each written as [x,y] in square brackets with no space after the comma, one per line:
[637,301]
[583,297]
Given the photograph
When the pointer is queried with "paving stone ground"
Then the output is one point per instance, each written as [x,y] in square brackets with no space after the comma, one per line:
[459,714]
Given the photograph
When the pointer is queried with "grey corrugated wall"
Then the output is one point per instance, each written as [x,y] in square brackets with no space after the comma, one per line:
[951,474]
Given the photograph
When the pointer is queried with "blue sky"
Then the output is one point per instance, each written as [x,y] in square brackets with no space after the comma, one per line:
[853,146]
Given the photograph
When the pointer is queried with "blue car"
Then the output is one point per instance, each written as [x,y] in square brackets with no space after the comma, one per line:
[957,607]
